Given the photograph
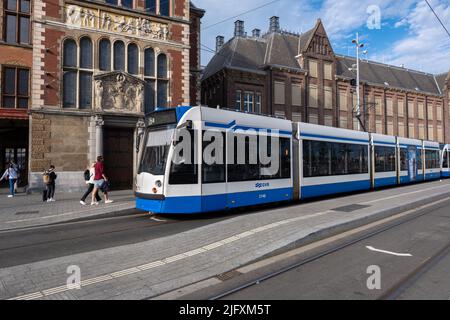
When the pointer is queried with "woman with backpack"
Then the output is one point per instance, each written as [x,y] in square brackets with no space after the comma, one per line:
[11,175]
[100,182]
[49,177]
[89,176]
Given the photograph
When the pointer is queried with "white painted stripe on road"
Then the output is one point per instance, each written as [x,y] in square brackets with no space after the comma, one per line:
[178,257]
[389,252]
[157,220]
[151,265]
[30,296]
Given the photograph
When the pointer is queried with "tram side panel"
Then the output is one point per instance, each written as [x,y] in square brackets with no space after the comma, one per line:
[332,160]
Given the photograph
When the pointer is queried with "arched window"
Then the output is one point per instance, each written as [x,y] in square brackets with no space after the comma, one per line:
[105,55]
[149,65]
[150,81]
[69,73]
[85,74]
[70,53]
[85,53]
[77,74]
[163,82]
[119,56]
[133,58]
[150,6]
[162,66]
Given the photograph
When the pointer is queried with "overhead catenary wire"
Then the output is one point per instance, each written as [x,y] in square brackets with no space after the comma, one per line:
[437,17]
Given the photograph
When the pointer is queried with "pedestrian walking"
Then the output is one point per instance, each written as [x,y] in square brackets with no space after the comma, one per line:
[89,176]
[11,175]
[100,181]
[49,177]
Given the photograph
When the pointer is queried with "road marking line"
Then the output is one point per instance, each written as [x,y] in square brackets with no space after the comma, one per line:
[389,252]
[151,265]
[157,220]
[214,245]
[29,296]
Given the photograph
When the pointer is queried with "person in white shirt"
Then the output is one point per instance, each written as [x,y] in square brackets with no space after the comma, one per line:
[91,185]
[10,174]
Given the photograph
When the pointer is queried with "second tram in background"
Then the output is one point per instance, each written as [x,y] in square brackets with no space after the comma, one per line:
[314,161]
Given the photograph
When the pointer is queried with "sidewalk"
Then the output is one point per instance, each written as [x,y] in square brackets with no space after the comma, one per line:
[157,266]
[26,210]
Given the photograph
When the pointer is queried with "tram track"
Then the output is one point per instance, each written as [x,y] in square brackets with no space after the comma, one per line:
[394,291]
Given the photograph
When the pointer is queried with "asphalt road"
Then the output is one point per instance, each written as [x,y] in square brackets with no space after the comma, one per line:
[344,274]
[41,243]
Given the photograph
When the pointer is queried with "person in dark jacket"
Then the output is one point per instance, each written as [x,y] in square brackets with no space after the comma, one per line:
[50,183]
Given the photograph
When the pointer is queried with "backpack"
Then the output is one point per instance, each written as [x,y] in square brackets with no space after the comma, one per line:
[46,178]
[87,175]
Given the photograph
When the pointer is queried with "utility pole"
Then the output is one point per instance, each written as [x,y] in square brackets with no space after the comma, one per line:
[358,96]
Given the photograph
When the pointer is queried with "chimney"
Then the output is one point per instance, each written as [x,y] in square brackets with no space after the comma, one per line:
[239,28]
[219,43]
[275,24]
[256,33]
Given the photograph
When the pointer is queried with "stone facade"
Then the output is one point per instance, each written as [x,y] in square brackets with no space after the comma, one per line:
[298,76]
[109,121]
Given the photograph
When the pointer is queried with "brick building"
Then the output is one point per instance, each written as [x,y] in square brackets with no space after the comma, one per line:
[298,76]
[94,69]
[16,56]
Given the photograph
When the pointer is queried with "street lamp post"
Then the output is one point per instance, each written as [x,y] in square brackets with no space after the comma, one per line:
[358,97]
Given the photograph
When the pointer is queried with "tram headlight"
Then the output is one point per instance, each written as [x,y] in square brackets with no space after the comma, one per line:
[158,183]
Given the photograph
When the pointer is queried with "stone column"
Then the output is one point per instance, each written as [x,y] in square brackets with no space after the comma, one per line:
[99,135]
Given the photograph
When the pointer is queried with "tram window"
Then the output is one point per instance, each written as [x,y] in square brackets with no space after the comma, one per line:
[419,159]
[154,160]
[384,159]
[445,162]
[214,173]
[285,158]
[250,169]
[187,171]
[331,159]
[358,159]
[432,159]
[403,159]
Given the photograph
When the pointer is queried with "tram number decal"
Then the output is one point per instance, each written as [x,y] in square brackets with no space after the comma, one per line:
[262,196]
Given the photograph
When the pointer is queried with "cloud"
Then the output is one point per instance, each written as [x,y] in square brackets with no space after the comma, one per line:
[427,45]
[424,44]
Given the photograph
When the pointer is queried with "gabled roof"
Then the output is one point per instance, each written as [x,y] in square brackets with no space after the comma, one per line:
[280,49]
[387,75]
[440,79]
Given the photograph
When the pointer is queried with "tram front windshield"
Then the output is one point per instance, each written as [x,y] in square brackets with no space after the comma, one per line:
[156,150]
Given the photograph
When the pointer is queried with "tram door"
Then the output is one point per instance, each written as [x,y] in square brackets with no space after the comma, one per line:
[214,186]
[412,164]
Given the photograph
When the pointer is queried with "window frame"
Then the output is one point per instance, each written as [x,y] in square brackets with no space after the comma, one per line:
[17,14]
[78,70]
[16,96]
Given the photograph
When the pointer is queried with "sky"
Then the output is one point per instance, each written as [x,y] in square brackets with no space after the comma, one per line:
[397,32]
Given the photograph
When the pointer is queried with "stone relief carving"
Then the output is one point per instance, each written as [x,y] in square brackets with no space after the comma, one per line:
[81,17]
[119,92]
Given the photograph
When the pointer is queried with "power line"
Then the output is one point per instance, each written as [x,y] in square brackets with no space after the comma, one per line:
[437,17]
[240,14]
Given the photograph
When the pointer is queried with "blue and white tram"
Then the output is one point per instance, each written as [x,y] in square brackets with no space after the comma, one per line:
[445,156]
[313,161]
[411,163]
[332,160]
[167,186]
[432,160]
